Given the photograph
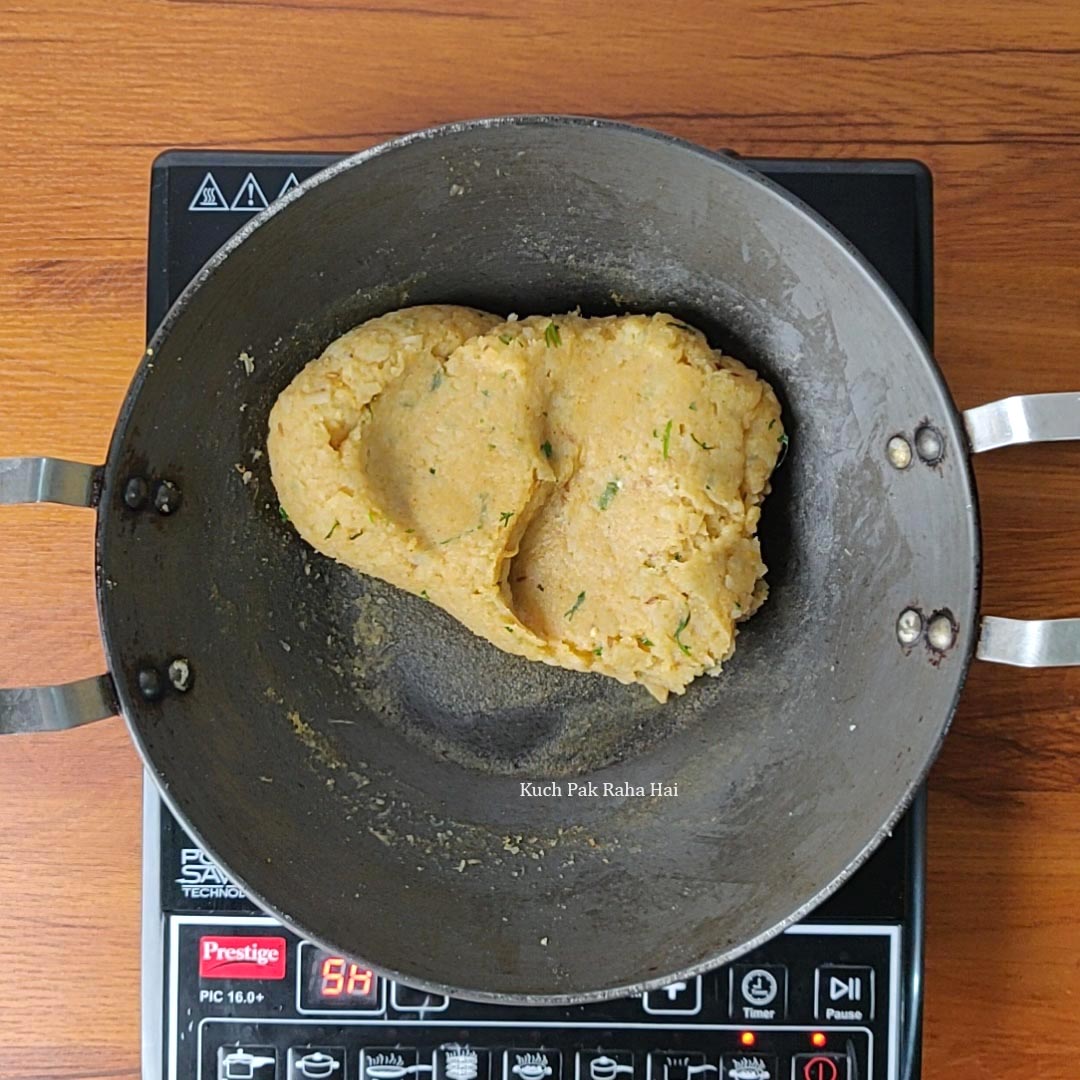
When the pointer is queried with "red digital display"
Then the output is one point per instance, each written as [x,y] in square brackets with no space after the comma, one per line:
[331,981]
[340,976]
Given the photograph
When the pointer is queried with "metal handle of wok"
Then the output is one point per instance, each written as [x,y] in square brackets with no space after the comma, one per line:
[1012,421]
[1028,418]
[68,705]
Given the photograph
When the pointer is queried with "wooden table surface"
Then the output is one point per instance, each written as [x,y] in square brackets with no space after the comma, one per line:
[986,92]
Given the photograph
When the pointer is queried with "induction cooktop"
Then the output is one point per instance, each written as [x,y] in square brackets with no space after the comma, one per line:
[230,994]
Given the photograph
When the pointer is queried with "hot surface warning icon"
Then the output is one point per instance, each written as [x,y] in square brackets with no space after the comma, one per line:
[208,196]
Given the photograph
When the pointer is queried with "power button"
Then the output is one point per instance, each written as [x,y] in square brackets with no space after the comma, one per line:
[819,1067]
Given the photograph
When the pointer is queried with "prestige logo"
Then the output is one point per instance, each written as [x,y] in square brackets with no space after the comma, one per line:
[241,958]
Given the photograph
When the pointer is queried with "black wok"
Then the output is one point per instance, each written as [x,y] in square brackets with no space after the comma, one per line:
[355,758]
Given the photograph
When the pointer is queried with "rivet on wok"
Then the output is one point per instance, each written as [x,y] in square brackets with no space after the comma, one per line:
[180,674]
[941,632]
[909,626]
[929,444]
[166,497]
[151,684]
[899,451]
[136,492]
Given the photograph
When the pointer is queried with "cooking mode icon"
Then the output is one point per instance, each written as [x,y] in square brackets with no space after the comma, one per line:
[532,1065]
[456,1061]
[604,1065]
[461,1064]
[749,1067]
[678,1065]
[316,1063]
[247,1063]
[393,1063]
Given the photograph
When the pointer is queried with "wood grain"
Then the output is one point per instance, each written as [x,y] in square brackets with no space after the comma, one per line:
[987,92]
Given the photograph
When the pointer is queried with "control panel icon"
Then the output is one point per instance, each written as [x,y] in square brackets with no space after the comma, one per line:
[681,1066]
[461,1063]
[747,1068]
[390,1064]
[820,1067]
[531,1065]
[757,991]
[315,1064]
[681,998]
[604,1065]
[844,993]
[759,987]
[607,1068]
[247,1063]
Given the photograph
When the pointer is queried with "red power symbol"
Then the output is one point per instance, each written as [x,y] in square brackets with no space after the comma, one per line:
[820,1068]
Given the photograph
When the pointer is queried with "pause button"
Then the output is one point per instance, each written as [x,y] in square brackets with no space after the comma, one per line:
[844,993]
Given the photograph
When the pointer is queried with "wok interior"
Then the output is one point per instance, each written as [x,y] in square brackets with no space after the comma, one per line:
[355,757]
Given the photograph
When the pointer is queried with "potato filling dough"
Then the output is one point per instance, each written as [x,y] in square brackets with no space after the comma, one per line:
[581,491]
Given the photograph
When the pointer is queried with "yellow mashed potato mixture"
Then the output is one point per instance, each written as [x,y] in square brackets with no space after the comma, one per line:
[580,491]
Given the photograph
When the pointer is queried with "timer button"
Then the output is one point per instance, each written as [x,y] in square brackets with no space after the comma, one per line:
[757,992]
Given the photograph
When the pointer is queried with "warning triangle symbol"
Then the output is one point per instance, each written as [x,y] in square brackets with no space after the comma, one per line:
[290,183]
[250,196]
[208,196]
